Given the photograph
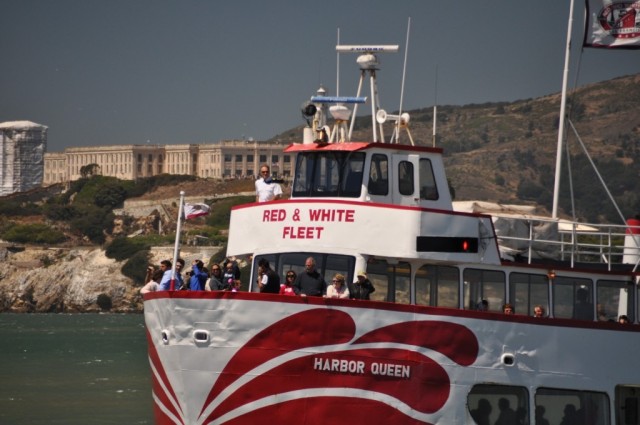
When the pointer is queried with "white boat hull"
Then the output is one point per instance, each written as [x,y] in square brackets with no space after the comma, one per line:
[238,358]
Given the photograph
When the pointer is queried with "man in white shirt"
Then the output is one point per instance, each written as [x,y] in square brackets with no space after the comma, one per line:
[266,188]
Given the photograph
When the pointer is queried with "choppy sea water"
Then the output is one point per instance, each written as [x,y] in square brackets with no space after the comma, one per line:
[74,369]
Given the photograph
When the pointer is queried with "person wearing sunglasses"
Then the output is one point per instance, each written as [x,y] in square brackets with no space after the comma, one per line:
[337,289]
[215,281]
[266,189]
[286,288]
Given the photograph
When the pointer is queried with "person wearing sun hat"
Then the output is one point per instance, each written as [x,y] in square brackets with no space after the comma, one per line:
[361,288]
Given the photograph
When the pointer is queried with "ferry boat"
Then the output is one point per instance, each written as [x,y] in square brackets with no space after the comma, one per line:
[432,344]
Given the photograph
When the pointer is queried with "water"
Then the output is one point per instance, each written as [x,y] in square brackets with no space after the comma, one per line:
[74,369]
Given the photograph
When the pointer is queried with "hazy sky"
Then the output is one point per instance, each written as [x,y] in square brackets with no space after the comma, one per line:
[196,71]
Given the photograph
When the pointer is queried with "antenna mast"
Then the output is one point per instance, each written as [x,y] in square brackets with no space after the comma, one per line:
[368,63]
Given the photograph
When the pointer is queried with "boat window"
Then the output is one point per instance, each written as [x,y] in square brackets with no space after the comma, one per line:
[405,178]
[627,405]
[437,286]
[572,298]
[498,404]
[481,285]
[428,189]
[327,264]
[392,281]
[378,175]
[528,290]
[324,174]
[571,407]
[615,298]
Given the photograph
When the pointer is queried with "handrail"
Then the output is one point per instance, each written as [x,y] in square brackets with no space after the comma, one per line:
[581,243]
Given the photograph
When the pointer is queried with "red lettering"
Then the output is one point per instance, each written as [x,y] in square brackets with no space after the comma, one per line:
[332,215]
[350,216]
[274,215]
[302,232]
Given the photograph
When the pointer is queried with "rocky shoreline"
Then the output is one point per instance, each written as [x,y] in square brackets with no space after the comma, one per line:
[71,280]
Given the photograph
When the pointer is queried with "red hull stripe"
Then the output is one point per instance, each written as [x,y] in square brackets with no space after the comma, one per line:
[168,400]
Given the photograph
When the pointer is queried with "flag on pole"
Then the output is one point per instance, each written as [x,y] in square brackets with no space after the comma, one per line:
[612,24]
[195,210]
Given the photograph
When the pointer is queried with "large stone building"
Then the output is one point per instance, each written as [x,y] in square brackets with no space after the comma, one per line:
[22,148]
[223,160]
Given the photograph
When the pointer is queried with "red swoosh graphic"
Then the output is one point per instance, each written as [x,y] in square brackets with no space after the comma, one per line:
[304,329]
[426,389]
[326,410]
[154,359]
[455,341]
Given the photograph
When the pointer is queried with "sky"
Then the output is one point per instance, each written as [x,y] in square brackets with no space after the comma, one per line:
[199,71]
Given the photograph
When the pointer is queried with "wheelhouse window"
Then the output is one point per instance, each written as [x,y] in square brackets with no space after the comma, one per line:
[528,290]
[329,174]
[437,286]
[571,407]
[488,285]
[499,404]
[379,175]
[428,189]
[405,178]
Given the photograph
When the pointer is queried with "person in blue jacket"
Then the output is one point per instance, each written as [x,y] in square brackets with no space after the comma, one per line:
[198,277]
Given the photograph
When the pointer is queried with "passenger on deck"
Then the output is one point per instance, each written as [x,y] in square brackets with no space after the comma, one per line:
[538,311]
[361,288]
[583,309]
[508,309]
[483,305]
[199,276]
[180,283]
[507,414]
[540,419]
[154,282]
[338,288]
[602,313]
[266,188]
[623,319]
[271,284]
[165,266]
[481,413]
[310,282]
[215,281]
[228,277]
[237,283]
[286,288]
[570,415]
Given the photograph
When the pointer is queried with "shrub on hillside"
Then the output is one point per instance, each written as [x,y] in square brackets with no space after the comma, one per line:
[136,267]
[147,184]
[221,210]
[104,302]
[14,208]
[93,222]
[37,233]
[59,212]
[122,248]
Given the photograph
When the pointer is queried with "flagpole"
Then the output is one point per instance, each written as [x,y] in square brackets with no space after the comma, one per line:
[563,104]
[176,247]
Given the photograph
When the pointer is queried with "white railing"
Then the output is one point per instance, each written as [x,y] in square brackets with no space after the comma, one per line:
[576,242]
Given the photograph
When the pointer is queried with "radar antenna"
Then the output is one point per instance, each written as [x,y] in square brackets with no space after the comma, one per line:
[368,62]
